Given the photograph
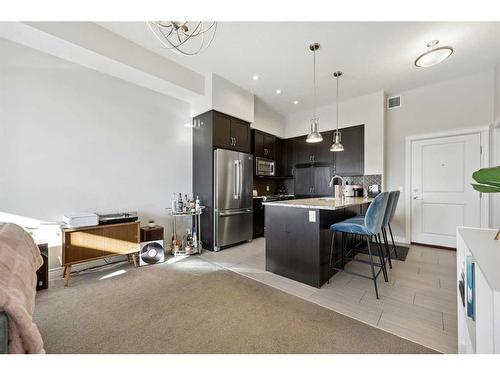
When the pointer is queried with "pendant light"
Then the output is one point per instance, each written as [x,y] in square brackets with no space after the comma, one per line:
[337,137]
[314,136]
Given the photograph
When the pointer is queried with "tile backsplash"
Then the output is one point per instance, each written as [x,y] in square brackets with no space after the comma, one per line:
[366,180]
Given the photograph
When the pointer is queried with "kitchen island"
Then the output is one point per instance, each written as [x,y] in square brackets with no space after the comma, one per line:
[298,235]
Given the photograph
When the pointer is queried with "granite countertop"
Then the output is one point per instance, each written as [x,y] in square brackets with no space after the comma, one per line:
[326,203]
[273,195]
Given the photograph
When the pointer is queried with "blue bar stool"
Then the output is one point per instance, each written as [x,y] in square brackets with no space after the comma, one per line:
[389,214]
[394,204]
[367,228]
[385,222]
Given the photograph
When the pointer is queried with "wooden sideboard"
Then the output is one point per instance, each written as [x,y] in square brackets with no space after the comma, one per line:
[102,241]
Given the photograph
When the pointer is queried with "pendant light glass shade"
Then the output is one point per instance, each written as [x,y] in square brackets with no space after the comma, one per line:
[337,137]
[314,136]
[337,144]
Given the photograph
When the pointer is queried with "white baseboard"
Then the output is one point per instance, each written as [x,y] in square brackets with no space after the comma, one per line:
[57,273]
[400,241]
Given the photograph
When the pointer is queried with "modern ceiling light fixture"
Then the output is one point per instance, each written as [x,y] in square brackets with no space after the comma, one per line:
[314,136]
[337,137]
[434,55]
[186,38]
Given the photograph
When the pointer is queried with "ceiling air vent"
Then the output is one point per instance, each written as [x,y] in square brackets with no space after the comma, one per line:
[393,102]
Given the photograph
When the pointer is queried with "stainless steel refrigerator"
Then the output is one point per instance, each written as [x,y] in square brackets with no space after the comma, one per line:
[233,209]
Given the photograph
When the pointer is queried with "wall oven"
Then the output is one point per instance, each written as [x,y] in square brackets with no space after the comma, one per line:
[264,167]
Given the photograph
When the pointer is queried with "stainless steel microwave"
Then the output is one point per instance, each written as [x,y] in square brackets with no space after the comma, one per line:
[264,167]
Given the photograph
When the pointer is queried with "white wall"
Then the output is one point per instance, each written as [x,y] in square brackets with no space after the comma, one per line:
[268,120]
[226,97]
[495,154]
[496,92]
[367,110]
[73,139]
[462,103]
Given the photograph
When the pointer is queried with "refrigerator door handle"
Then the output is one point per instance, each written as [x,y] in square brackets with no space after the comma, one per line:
[235,212]
[236,179]
[240,179]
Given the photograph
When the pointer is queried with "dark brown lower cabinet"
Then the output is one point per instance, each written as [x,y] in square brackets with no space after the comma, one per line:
[258,218]
[299,248]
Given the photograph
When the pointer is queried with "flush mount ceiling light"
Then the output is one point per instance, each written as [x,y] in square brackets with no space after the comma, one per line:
[434,55]
[314,136]
[186,38]
[337,137]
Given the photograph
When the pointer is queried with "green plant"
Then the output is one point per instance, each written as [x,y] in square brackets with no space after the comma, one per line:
[488,180]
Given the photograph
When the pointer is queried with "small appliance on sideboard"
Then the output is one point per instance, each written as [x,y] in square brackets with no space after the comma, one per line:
[119,217]
[264,167]
[80,220]
[151,247]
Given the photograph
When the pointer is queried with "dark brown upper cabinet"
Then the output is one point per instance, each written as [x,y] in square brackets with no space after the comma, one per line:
[230,133]
[264,144]
[351,161]
[313,153]
[240,131]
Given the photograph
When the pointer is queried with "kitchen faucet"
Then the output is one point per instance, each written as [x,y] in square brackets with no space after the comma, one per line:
[342,180]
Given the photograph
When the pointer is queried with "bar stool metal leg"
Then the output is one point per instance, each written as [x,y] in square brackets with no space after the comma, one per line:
[373,268]
[331,256]
[387,249]
[392,238]
[381,257]
[342,249]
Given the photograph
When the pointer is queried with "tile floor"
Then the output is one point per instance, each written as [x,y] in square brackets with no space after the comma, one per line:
[418,303]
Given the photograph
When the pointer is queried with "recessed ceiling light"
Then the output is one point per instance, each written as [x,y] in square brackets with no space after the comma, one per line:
[295,102]
[255,77]
[278,91]
[434,55]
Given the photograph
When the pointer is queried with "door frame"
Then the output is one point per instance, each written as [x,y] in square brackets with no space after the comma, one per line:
[483,131]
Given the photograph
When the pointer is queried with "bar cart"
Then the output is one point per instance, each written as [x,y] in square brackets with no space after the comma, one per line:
[179,248]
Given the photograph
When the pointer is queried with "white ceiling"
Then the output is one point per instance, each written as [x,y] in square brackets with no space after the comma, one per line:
[373,56]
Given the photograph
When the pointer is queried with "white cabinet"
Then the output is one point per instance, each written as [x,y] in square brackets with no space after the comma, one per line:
[478,264]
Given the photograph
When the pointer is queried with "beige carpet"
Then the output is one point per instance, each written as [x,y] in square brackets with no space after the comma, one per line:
[193,306]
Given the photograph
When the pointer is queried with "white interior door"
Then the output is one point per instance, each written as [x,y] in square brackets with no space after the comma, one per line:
[442,197]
